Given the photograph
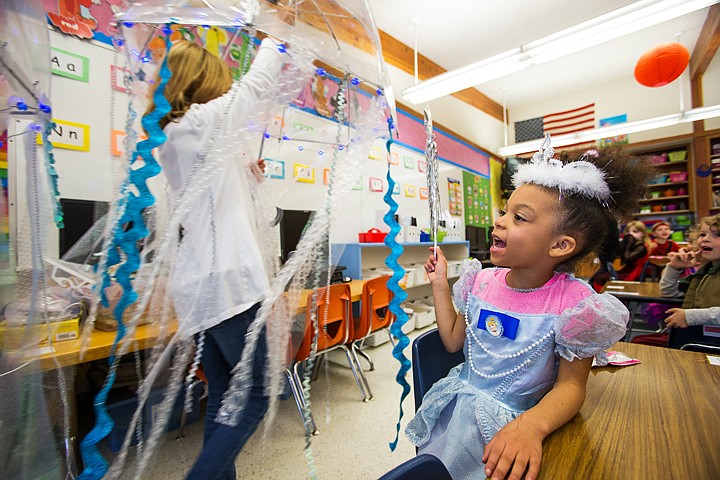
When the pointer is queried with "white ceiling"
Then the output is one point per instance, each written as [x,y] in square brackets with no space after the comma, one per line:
[454,33]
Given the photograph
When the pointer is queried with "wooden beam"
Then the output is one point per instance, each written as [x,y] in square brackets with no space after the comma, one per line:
[707,43]
[696,99]
[402,56]
[346,28]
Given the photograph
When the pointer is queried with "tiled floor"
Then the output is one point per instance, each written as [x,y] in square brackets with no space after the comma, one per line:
[353,440]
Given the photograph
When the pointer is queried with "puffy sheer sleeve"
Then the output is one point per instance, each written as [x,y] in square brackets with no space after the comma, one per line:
[469,269]
[593,325]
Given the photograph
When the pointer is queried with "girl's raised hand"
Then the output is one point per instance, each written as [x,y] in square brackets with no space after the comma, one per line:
[436,268]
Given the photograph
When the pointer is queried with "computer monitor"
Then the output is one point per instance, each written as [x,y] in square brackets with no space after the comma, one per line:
[477,236]
[79,217]
[292,225]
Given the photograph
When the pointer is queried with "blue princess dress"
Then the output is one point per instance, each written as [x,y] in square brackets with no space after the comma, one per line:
[513,347]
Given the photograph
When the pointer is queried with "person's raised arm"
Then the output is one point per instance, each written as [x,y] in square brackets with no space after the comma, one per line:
[518,445]
[451,325]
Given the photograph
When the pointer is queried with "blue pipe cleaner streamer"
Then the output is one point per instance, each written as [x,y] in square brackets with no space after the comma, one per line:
[50,156]
[130,229]
[399,295]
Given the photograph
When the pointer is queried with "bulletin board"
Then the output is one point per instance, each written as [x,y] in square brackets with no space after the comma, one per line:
[477,200]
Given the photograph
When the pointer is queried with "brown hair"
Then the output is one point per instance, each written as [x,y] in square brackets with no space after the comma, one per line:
[712,221]
[585,218]
[197,77]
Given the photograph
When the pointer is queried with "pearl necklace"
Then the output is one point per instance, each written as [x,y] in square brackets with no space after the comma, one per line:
[537,343]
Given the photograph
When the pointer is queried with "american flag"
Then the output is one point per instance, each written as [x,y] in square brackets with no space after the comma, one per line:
[570,121]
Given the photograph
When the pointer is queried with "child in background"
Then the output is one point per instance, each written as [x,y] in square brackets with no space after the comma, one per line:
[661,244]
[701,305]
[634,251]
[529,331]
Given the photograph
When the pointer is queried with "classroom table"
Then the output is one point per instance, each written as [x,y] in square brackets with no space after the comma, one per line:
[640,292]
[632,294]
[67,353]
[656,420]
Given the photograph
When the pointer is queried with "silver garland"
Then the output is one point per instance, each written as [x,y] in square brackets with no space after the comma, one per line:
[433,179]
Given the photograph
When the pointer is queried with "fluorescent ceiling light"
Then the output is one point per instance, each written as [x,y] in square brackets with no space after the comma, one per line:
[618,23]
[700,113]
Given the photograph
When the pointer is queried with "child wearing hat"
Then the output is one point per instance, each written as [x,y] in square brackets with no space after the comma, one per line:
[661,244]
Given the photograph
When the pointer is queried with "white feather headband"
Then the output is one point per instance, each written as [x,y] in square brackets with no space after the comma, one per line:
[579,177]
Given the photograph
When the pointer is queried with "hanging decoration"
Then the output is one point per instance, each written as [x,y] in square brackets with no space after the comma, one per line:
[393,284]
[662,64]
[432,176]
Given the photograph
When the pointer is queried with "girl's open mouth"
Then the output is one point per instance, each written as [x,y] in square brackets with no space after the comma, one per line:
[497,244]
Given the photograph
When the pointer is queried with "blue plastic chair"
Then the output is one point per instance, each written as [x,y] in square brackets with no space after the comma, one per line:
[430,363]
[422,467]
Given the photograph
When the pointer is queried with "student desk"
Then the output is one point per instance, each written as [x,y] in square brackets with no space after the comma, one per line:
[640,292]
[67,353]
[658,419]
[632,294]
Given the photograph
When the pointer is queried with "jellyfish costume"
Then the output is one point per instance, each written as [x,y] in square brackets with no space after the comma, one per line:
[149,271]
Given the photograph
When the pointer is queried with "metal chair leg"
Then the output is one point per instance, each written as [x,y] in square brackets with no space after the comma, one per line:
[301,403]
[359,351]
[352,351]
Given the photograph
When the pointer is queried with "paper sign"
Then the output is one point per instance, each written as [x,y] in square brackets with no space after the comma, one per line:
[117,142]
[304,173]
[376,185]
[68,64]
[69,135]
[121,78]
[713,360]
[274,168]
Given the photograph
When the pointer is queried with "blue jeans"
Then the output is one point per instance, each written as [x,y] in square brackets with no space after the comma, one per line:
[224,344]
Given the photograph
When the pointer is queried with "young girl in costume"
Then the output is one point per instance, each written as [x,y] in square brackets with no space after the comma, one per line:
[634,251]
[529,331]
[219,277]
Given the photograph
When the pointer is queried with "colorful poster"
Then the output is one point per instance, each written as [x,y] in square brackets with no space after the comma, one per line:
[454,197]
[476,200]
[619,139]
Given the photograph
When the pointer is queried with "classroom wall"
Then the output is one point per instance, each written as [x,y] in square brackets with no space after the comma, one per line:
[94,174]
[627,96]
[456,115]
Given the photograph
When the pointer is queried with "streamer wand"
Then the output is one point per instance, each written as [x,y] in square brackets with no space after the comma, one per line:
[432,177]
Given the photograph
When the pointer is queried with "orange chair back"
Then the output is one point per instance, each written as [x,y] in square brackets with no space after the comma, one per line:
[334,319]
[374,311]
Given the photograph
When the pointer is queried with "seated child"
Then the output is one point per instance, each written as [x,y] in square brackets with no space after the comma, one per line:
[529,331]
[661,244]
[633,251]
[701,305]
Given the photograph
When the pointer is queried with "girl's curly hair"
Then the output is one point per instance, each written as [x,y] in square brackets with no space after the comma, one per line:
[585,218]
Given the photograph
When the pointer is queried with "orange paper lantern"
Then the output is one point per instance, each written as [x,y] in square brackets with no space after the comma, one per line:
[661,64]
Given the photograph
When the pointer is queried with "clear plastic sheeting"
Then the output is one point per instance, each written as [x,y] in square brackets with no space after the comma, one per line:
[341,33]
[35,424]
[24,53]
[330,45]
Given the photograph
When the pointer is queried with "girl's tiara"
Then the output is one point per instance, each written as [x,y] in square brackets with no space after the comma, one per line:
[579,177]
